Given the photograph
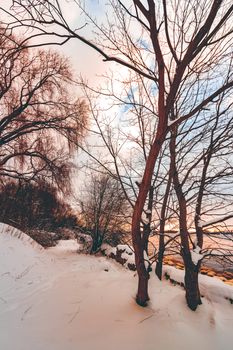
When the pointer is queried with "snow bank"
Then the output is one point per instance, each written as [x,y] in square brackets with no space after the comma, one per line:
[6,231]
[76,301]
[20,257]
[122,253]
[18,252]
[211,288]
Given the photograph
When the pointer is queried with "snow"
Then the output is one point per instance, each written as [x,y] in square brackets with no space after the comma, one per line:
[196,255]
[56,299]
[130,259]
[200,223]
[148,211]
[125,248]
[126,253]
[171,122]
[108,249]
[146,221]
[70,245]
[212,289]
[146,259]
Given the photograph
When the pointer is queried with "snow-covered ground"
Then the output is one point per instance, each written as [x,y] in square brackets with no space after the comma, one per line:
[60,300]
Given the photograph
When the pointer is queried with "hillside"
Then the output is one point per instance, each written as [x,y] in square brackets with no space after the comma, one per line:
[58,299]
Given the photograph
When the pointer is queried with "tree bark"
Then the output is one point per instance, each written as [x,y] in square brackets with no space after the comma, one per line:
[191,270]
[137,238]
[193,296]
[159,264]
[142,296]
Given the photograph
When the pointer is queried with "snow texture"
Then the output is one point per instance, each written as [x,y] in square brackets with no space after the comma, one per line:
[55,299]
[211,288]
[125,248]
[108,250]
[196,255]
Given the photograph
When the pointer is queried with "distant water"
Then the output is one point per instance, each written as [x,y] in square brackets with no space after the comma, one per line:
[218,243]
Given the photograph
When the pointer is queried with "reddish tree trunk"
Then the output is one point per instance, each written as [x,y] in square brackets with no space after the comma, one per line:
[138,241]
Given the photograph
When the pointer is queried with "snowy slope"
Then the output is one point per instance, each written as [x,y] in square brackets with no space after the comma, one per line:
[59,300]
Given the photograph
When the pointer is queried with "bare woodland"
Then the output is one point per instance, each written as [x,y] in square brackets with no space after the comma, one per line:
[166,130]
[36,109]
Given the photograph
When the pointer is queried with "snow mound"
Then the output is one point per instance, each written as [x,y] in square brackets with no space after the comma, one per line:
[211,288]
[122,253]
[19,254]
[7,230]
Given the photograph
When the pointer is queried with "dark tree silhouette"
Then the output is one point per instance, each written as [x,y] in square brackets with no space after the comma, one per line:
[39,118]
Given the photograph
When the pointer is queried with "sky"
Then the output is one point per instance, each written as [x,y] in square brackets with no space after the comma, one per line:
[84,60]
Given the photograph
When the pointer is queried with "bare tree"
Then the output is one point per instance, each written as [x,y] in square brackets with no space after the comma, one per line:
[198,181]
[182,50]
[103,208]
[39,120]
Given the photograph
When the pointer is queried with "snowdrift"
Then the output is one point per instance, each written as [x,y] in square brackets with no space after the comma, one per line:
[56,299]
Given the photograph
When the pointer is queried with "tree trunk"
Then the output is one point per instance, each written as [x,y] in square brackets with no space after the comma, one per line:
[142,296]
[138,241]
[94,247]
[97,241]
[191,270]
[159,264]
[193,296]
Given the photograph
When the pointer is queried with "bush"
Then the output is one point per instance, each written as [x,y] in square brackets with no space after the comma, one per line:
[34,205]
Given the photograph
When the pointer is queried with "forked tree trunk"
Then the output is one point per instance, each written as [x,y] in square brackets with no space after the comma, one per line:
[191,270]
[193,296]
[137,237]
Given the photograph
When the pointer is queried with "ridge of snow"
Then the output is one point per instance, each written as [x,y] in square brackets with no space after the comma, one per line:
[212,288]
[7,230]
